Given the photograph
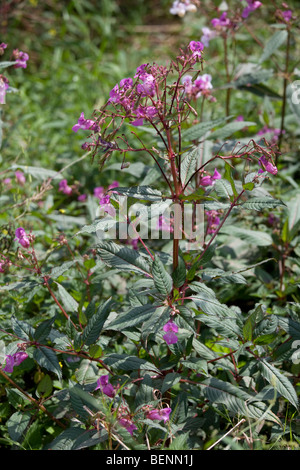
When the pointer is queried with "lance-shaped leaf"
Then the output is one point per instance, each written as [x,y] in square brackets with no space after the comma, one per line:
[189,164]
[47,358]
[162,279]
[236,400]
[95,324]
[134,317]
[279,381]
[261,203]
[145,193]
[123,258]
[273,44]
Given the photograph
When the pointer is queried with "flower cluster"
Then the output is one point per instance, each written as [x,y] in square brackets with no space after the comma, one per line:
[180,8]
[200,87]
[64,187]
[14,360]
[160,414]
[105,387]
[221,23]
[83,123]
[20,59]
[267,166]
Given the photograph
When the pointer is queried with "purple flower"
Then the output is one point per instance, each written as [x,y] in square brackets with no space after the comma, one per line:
[267,165]
[128,424]
[252,5]
[82,197]
[213,221]
[21,59]
[221,23]
[287,15]
[14,360]
[114,184]
[20,177]
[22,237]
[144,112]
[64,188]
[147,87]
[105,386]
[2,47]
[83,123]
[156,414]
[170,328]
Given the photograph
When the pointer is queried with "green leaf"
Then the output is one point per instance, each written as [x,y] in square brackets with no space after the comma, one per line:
[17,425]
[70,304]
[199,130]
[273,44]
[43,330]
[123,258]
[134,317]
[259,203]
[230,129]
[80,400]
[179,275]
[279,381]
[45,387]
[188,164]
[95,324]
[126,362]
[162,279]
[140,192]
[37,172]
[236,400]
[292,327]
[228,177]
[169,381]
[22,329]
[223,189]
[47,358]
[210,305]
[254,237]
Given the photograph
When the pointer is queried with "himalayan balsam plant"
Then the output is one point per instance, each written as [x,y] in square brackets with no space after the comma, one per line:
[182,357]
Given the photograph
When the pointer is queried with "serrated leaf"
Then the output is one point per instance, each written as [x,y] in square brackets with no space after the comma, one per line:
[199,130]
[188,164]
[279,381]
[47,358]
[123,258]
[162,279]
[140,192]
[258,203]
[134,317]
[43,330]
[37,172]
[126,362]
[169,381]
[254,237]
[70,304]
[95,324]
[22,329]
[230,129]
[179,275]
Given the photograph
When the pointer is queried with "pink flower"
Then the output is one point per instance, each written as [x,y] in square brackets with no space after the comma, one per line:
[22,237]
[107,206]
[156,414]
[208,34]
[252,5]
[213,221]
[2,266]
[21,59]
[14,360]
[170,328]
[64,188]
[114,184]
[196,47]
[267,165]
[20,177]
[82,197]
[105,386]
[99,192]
[128,424]
[209,180]
[2,47]
[4,85]
[221,23]
[83,123]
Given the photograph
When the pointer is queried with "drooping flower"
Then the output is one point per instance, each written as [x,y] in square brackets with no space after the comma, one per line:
[82,197]
[3,46]
[147,87]
[252,6]
[64,187]
[21,59]
[128,424]
[104,385]
[20,177]
[213,221]
[170,328]
[22,237]
[144,112]
[99,192]
[209,180]
[267,165]
[83,123]
[163,414]
[14,360]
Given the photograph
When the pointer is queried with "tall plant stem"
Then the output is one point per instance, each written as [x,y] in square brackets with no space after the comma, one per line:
[285,82]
